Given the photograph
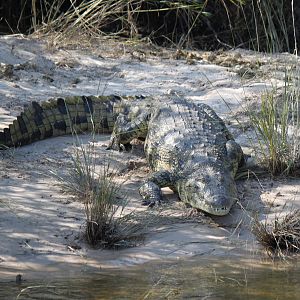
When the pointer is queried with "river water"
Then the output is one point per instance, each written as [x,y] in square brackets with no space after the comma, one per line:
[198,278]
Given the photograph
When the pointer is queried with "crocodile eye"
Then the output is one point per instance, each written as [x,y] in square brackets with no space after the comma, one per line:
[189,184]
[205,179]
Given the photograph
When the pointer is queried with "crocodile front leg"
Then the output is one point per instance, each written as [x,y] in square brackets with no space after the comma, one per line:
[151,189]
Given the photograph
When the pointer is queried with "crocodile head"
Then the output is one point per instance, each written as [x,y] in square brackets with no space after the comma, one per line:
[211,189]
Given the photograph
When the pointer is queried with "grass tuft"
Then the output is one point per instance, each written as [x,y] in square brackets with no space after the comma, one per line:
[276,125]
[108,225]
[280,237]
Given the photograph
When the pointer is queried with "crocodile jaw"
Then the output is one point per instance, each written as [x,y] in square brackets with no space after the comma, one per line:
[210,197]
[217,207]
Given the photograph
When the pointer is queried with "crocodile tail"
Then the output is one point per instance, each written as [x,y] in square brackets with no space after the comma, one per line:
[61,116]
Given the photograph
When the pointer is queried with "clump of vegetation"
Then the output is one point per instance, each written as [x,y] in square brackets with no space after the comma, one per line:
[122,18]
[269,25]
[107,224]
[280,237]
[258,25]
[276,125]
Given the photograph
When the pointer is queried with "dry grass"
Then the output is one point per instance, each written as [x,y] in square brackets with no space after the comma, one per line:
[276,126]
[261,25]
[268,25]
[164,22]
[116,17]
[280,237]
[108,224]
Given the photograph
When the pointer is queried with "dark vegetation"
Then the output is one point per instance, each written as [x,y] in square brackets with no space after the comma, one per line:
[280,237]
[269,25]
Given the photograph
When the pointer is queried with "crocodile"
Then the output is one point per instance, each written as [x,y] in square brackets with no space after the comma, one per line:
[187,145]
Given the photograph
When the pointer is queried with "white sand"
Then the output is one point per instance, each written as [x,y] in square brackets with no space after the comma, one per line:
[40,226]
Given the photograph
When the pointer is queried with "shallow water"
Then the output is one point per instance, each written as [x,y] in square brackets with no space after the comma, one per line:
[200,278]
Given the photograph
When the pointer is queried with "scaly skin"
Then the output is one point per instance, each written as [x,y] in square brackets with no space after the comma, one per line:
[61,116]
[187,146]
[189,149]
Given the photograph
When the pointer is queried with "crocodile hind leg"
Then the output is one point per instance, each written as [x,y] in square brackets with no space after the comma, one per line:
[125,130]
[211,113]
[235,154]
[234,150]
[151,189]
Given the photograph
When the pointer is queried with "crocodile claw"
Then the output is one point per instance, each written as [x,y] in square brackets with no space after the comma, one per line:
[119,147]
[151,202]
[113,144]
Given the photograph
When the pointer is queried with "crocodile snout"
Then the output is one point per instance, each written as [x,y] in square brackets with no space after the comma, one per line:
[211,195]
[217,207]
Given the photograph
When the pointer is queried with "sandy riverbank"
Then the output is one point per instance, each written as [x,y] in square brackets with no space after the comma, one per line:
[41,227]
